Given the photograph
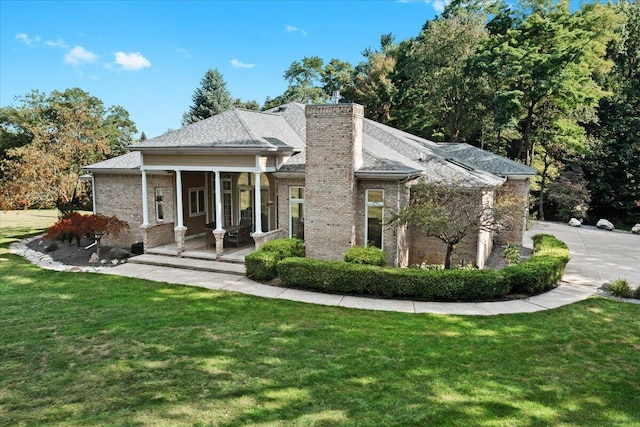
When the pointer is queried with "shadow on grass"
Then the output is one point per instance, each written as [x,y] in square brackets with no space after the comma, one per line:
[86,349]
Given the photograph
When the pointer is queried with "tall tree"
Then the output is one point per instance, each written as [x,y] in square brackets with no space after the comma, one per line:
[211,98]
[612,165]
[438,99]
[65,131]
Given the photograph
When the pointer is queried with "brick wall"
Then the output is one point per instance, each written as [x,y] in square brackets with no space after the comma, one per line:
[431,250]
[121,195]
[333,153]
[516,191]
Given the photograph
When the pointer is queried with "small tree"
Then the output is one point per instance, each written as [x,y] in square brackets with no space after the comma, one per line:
[211,98]
[451,213]
[68,228]
[98,226]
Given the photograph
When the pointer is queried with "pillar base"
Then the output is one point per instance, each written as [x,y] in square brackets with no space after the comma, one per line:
[181,234]
[219,236]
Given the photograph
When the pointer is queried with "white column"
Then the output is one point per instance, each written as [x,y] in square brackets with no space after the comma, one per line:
[179,212]
[145,205]
[258,205]
[218,202]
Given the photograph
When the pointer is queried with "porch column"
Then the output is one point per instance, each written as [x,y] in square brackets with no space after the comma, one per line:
[258,205]
[180,229]
[145,203]
[219,232]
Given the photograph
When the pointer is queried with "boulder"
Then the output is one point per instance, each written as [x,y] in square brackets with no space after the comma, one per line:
[636,229]
[605,225]
[94,258]
[114,261]
[574,222]
[103,261]
[119,253]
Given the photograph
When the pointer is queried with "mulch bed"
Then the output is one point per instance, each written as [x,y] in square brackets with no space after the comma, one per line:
[71,254]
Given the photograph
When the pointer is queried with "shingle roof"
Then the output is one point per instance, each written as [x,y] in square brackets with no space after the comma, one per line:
[232,129]
[485,160]
[130,161]
[387,151]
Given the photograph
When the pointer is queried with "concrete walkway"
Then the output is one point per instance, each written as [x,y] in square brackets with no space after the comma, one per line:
[597,256]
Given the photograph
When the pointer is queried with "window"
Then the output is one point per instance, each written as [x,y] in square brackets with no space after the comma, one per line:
[196,202]
[296,212]
[225,186]
[373,221]
[159,197]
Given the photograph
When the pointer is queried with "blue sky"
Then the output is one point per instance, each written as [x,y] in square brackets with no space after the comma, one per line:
[149,57]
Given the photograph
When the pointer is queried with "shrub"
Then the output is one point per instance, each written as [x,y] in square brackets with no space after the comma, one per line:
[439,285]
[620,288]
[368,256]
[636,293]
[512,254]
[285,248]
[261,264]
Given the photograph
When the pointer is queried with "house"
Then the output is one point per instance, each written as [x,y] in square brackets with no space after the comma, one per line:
[322,173]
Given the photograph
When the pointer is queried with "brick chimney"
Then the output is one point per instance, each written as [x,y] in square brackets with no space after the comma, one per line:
[333,154]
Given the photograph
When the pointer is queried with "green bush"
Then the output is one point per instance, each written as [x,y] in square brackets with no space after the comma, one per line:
[262,264]
[425,285]
[285,248]
[543,270]
[368,256]
[636,293]
[512,254]
[620,288]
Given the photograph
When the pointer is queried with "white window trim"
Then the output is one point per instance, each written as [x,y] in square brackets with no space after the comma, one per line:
[155,198]
[204,205]
[293,200]
[366,216]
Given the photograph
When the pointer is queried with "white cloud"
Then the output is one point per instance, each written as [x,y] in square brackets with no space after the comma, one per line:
[133,61]
[236,63]
[79,55]
[58,43]
[24,38]
[439,5]
[293,29]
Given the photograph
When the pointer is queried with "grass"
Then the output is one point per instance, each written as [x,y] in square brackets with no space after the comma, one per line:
[90,349]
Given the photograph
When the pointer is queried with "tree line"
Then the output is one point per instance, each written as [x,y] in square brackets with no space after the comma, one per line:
[534,80]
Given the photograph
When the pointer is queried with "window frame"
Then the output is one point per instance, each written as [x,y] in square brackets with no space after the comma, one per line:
[202,210]
[367,205]
[292,201]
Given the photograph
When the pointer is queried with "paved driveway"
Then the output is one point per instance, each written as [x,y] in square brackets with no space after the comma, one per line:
[597,256]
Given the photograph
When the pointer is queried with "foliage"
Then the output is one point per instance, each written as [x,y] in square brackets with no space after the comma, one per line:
[423,285]
[51,138]
[452,213]
[543,270]
[262,264]
[210,98]
[512,254]
[620,288]
[368,256]
[76,226]
[569,193]
[248,105]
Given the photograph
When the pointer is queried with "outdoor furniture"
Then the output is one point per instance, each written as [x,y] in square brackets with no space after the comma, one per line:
[239,234]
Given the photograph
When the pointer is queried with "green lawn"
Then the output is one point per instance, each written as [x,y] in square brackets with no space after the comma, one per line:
[90,349]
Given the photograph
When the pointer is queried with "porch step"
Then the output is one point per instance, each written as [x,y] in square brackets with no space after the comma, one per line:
[189,264]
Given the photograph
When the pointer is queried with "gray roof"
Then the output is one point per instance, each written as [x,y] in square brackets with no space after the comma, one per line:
[485,160]
[387,152]
[126,162]
[236,128]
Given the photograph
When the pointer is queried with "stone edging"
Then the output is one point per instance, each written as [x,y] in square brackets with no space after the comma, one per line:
[45,261]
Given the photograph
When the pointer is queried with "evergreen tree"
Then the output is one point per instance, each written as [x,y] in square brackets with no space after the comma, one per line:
[211,98]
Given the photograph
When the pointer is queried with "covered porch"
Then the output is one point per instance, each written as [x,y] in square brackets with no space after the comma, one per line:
[197,247]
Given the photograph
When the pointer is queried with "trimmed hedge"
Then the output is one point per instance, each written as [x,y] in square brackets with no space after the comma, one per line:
[262,264]
[285,258]
[440,285]
[543,270]
[367,256]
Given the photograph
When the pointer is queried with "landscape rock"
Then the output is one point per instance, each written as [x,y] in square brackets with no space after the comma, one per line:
[605,225]
[114,261]
[94,258]
[636,229]
[103,261]
[574,222]
[119,253]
